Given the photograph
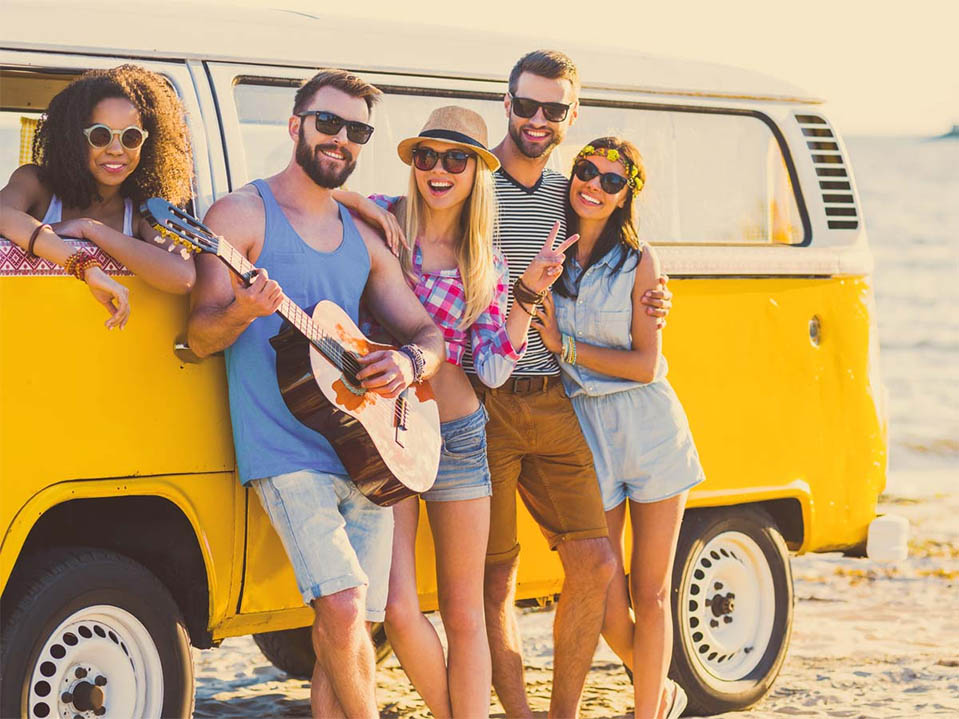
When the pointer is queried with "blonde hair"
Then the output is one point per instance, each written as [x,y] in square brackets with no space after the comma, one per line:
[474,254]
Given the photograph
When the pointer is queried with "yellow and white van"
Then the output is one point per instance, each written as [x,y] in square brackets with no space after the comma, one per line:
[125,535]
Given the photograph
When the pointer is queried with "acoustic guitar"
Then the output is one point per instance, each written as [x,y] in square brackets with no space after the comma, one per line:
[389,447]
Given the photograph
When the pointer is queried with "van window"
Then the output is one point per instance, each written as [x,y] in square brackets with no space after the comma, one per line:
[712,178]
[25,96]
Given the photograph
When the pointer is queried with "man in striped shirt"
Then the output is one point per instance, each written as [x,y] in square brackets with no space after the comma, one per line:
[535,444]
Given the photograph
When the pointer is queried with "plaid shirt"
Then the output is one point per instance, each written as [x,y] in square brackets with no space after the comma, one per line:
[444,297]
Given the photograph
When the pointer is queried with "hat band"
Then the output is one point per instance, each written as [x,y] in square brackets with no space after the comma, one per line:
[452,136]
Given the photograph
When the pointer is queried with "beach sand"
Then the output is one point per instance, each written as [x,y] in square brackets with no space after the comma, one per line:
[869,639]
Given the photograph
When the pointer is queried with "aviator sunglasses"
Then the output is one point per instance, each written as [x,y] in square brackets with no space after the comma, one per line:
[609,181]
[100,135]
[330,124]
[525,107]
[454,161]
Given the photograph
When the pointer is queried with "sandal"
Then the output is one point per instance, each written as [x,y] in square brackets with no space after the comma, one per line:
[679,701]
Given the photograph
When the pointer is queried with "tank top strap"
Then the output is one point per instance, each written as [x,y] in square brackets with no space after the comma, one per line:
[128,217]
[54,211]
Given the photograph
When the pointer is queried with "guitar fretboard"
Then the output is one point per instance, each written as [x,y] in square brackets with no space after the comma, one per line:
[336,353]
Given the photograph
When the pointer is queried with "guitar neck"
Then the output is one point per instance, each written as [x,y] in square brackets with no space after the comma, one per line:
[328,346]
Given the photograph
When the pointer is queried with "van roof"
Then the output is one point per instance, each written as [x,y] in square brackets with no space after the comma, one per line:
[178,30]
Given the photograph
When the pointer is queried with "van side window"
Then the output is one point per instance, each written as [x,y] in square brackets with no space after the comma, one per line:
[711,178]
[25,97]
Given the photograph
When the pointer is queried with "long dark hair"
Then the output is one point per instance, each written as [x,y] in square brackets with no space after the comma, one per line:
[620,227]
[61,150]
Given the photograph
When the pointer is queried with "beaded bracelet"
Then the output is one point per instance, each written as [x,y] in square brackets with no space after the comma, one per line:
[33,237]
[569,350]
[82,265]
[525,295]
[416,358]
[71,262]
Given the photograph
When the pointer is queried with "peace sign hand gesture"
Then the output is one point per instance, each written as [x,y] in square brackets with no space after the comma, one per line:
[547,266]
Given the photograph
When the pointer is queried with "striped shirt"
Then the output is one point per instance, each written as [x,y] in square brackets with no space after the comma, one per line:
[526,216]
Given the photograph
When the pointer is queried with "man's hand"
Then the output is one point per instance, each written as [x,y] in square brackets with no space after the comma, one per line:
[262,298]
[658,302]
[386,372]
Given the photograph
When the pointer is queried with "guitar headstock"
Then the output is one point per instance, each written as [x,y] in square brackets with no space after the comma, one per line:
[180,227]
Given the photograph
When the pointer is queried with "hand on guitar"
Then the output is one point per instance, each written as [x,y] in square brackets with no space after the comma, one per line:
[386,372]
[263,297]
[547,266]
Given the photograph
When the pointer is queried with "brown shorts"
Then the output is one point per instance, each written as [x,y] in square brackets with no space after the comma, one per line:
[534,444]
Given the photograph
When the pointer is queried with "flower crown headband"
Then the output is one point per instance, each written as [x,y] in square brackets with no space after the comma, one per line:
[633,180]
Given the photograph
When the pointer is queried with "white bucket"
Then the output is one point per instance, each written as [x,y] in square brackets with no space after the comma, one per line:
[888,539]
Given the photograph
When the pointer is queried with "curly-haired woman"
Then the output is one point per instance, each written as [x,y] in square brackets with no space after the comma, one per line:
[108,141]
[615,375]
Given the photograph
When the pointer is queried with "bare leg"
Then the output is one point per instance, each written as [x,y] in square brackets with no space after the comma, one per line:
[413,637]
[655,533]
[589,566]
[344,675]
[618,626]
[506,647]
[460,530]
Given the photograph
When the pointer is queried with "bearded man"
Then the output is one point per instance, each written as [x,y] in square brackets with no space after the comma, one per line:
[308,248]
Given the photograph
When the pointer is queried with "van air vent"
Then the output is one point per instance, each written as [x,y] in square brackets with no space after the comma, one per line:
[830,167]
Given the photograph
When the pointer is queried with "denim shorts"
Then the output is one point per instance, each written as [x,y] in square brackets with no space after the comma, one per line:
[463,472]
[335,537]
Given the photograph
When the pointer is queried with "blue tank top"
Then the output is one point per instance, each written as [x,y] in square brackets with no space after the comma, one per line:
[268,439]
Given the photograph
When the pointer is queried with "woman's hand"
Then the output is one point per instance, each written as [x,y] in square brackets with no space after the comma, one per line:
[77,228]
[545,323]
[658,302]
[547,266]
[111,294]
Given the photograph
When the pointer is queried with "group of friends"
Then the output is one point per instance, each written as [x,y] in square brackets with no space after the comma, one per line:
[524,296]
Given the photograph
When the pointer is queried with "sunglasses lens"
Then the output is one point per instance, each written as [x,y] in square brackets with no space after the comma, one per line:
[585,171]
[328,123]
[424,158]
[100,136]
[612,183]
[132,138]
[555,111]
[524,107]
[358,132]
[455,161]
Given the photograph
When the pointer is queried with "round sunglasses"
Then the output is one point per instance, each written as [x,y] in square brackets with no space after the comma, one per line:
[526,107]
[330,124]
[610,182]
[99,135]
[454,161]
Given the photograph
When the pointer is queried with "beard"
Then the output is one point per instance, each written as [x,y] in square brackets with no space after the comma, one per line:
[309,159]
[533,150]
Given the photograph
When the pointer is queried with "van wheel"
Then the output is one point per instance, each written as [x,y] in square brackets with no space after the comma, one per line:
[732,608]
[291,650]
[88,632]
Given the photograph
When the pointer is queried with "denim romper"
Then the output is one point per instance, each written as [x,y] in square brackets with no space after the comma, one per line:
[638,433]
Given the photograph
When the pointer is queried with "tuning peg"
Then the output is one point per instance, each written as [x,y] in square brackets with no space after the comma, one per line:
[171,248]
[185,253]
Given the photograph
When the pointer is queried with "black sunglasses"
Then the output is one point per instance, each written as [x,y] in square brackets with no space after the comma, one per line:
[609,181]
[454,161]
[330,124]
[526,107]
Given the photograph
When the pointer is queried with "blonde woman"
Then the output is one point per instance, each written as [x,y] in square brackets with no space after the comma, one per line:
[448,215]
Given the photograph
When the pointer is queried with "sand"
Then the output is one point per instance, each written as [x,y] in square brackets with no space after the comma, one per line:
[869,639]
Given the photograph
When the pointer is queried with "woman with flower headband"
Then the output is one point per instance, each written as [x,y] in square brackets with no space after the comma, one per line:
[615,375]
[450,261]
[108,141]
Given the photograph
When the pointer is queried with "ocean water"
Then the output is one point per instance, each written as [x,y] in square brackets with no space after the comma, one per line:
[909,190]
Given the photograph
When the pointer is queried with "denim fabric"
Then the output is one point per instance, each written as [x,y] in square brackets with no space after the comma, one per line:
[463,472]
[335,537]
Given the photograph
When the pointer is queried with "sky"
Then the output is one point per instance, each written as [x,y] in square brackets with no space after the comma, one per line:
[885,67]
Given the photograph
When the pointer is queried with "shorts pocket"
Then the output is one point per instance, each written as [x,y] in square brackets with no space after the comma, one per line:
[466,444]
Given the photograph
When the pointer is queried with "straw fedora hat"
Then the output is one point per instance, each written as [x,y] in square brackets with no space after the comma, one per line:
[457,126]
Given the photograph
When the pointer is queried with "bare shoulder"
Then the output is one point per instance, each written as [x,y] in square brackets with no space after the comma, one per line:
[239,217]
[375,244]
[25,190]
[648,271]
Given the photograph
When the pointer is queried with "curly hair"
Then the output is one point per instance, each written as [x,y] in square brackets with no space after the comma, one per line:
[166,159]
[620,227]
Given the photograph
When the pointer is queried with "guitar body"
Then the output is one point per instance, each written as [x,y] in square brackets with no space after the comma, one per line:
[389,447]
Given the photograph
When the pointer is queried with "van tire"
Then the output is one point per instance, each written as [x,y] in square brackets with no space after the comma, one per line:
[95,611]
[291,650]
[732,596]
